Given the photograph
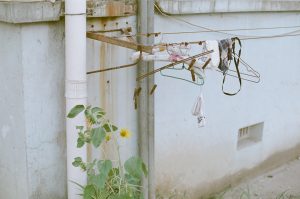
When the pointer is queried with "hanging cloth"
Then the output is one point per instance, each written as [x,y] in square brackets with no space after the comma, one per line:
[198,110]
[225,47]
[214,56]
[227,52]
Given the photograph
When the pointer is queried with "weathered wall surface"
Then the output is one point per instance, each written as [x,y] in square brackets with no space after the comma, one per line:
[43,88]
[28,11]
[195,159]
[113,90]
[227,6]
[13,168]
[33,162]
[200,161]
[187,158]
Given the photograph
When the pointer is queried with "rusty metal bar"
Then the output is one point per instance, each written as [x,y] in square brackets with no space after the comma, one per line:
[129,37]
[112,68]
[128,29]
[119,42]
[116,67]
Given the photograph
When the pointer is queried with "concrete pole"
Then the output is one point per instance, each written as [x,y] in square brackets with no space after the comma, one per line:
[145,24]
[76,87]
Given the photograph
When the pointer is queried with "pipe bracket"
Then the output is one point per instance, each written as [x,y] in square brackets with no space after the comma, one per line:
[76,89]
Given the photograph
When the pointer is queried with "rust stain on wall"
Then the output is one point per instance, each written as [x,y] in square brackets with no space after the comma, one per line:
[112,8]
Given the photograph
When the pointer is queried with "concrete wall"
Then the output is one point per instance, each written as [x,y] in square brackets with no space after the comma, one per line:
[13,170]
[43,88]
[225,6]
[189,159]
[205,160]
[33,162]
[32,128]
[113,90]
[201,160]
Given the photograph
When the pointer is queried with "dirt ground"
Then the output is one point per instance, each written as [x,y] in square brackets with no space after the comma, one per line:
[280,183]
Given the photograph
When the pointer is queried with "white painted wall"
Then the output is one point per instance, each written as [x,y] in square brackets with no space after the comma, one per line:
[195,159]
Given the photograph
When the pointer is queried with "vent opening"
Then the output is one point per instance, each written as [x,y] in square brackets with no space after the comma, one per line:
[250,135]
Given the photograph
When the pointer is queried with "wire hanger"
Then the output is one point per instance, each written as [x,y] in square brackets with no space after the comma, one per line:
[177,51]
[199,80]
[139,78]
[253,75]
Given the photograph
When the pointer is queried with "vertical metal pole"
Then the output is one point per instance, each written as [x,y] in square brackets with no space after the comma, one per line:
[145,24]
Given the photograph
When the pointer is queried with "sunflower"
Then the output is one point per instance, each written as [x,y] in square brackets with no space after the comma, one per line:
[107,138]
[125,133]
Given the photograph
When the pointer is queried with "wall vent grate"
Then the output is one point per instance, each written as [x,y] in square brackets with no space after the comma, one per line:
[250,135]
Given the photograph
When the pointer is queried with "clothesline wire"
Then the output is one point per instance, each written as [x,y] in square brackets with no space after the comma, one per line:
[212,30]
[271,36]
[205,31]
[230,30]
[199,42]
[248,38]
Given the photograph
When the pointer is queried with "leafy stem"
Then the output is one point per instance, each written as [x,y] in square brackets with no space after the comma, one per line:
[105,180]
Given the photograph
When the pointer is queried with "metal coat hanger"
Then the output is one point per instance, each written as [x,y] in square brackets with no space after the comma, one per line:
[180,50]
[199,80]
[172,65]
[253,75]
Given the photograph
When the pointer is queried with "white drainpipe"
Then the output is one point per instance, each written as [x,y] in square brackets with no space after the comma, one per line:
[76,87]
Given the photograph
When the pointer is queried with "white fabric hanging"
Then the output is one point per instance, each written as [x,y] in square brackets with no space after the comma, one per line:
[214,56]
[198,110]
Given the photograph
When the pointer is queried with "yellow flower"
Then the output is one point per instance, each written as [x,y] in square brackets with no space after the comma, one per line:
[125,133]
[107,138]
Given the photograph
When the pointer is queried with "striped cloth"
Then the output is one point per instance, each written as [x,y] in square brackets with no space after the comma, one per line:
[225,47]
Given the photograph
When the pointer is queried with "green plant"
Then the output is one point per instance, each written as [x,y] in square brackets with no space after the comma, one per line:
[106,179]
[246,194]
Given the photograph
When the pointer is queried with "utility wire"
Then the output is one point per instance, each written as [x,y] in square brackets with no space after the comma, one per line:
[217,31]
[246,38]
[221,31]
